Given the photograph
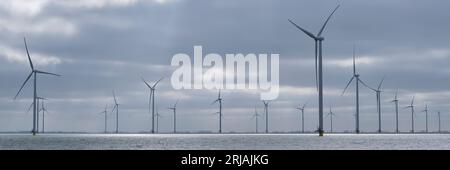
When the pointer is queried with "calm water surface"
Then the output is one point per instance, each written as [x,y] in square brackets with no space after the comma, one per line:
[225,141]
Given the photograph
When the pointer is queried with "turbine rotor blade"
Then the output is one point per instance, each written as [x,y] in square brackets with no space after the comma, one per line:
[326,22]
[348,84]
[362,82]
[354,63]
[156,83]
[381,82]
[114,95]
[300,28]
[25,82]
[43,72]
[146,83]
[28,53]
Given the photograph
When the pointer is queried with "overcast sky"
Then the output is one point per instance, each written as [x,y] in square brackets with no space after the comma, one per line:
[103,45]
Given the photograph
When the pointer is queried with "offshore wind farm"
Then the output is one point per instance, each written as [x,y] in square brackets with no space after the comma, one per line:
[102,92]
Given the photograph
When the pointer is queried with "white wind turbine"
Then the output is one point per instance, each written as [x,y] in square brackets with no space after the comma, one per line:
[266,111]
[151,100]
[105,113]
[331,114]
[378,95]
[157,115]
[412,114]
[303,116]
[439,123]
[33,73]
[396,111]
[256,115]
[318,64]
[43,109]
[174,109]
[116,108]
[357,81]
[219,100]
[426,118]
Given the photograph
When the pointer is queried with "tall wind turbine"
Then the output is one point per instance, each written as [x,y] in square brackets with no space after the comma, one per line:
[303,116]
[331,114]
[426,118]
[256,115]
[219,100]
[174,109]
[396,111]
[357,81]
[116,108]
[318,64]
[266,111]
[412,114]
[33,73]
[151,100]
[105,113]
[378,95]
[439,117]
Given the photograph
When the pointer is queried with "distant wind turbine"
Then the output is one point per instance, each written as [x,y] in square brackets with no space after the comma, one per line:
[256,115]
[439,119]
[219,100]
[34,73]
[378,95]
[357,81]
[174,109]
[318,64]
[412,114]
[151,100]
[116,108]
[396,111]
[303,116]
[266,111]
[157,119]
[43,109]
[105,113]
[331,114]
[426,118]
[38,111]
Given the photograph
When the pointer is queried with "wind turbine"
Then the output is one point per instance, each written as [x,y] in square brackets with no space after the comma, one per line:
[174,109]
[318,64]
[378,95]
[303,116]
[439,117]
[38,112]
[256,115]
[43,109]
[412,114]
[33,73]
[426,118]
[331,114]
[105,112]
[396,110]
[266,111]
[357,81]
[151,100]
[116,108]
[219,100]
[157,119]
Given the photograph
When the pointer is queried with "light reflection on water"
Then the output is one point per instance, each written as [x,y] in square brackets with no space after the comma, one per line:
[225,141]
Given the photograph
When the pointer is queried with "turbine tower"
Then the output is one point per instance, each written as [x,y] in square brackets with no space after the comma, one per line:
[426,118]
[266,111]
[303,116]
[38,112]
[105,112]
[378,95]
[116,108]
[357,81]
[396,111]
[412,114]
[256,115]
[318,64]
[151,100]
[439,119]
[219,100]
[331,114]
[174,109]
[33,73]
